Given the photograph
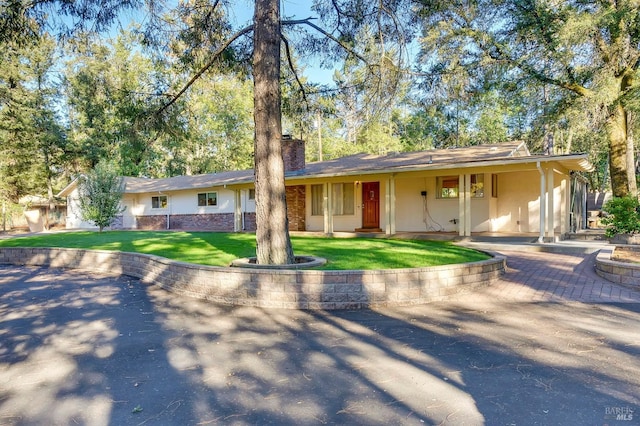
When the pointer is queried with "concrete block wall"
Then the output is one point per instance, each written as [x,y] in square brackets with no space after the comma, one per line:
[617,272]
[270,288]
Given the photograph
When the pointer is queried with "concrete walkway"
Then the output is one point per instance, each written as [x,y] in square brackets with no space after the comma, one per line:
[550,344]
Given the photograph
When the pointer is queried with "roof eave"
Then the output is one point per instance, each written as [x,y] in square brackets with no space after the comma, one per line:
[580,159]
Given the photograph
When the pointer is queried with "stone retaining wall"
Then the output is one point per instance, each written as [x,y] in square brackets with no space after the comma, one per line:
[617,272]
[291,289]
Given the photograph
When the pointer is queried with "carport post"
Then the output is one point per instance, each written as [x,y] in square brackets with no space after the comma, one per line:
[543,205]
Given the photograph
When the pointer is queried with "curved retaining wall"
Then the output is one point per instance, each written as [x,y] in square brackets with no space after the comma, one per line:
[617,272]
[291,289]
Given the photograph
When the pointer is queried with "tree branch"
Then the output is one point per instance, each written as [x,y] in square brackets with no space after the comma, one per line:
[208,65]
[308,22]
[293,69]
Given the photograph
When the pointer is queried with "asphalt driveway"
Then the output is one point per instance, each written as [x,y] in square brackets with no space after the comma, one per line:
[97,350]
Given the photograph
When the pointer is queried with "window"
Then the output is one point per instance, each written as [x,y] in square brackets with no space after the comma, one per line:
[159,202]
[448,186]
[477,186]
[343,199]
[252,194]
[207,199]
[317,198]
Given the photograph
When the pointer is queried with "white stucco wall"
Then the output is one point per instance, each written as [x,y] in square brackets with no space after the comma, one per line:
[414,213]
[184,202]
[517,209]
[74,217]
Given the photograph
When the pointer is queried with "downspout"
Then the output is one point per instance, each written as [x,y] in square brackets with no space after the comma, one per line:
[169,203]
[543,203]
[245,199]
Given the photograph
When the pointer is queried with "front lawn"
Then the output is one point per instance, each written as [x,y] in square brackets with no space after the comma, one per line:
[219,249]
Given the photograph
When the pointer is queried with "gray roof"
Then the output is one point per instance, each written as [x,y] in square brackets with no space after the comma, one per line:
[141,185]
[369,163]
[437,159]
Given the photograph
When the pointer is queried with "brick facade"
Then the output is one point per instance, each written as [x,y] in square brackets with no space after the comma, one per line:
[203,222]
[296,207]
[293,151]
[249,221]
[152,223]
[224,221]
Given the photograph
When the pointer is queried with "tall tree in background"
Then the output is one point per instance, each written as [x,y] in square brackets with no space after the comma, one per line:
[32,144]
[590,50]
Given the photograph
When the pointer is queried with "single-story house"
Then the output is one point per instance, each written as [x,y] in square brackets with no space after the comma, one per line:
[499,188]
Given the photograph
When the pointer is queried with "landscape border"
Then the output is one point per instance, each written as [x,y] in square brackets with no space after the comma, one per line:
[617,272]
[271,288]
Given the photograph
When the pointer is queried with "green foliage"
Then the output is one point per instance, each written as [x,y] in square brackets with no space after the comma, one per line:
[574,65]
[100,195]
[218,114]
[31,139]
[624,216]
[111,91]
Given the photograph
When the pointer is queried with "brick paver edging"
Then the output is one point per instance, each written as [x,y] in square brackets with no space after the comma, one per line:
[291,289]
[617,272]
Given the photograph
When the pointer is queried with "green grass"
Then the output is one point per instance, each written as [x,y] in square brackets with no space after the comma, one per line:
[219,249]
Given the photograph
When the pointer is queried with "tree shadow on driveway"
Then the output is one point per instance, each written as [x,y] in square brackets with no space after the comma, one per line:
[106,350]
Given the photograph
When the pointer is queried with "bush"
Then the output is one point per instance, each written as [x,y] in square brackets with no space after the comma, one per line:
[623,216]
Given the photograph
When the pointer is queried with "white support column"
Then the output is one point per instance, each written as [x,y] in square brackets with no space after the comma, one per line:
[328,208]
[565,217]
[542,204]
[237,211]
[461,209]
[551,216]
[390,201]
[467,205]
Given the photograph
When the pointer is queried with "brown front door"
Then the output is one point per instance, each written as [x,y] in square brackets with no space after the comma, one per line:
[370,205]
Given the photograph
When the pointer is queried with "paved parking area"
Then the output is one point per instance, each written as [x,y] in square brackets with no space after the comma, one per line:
[549,344]
[539,276]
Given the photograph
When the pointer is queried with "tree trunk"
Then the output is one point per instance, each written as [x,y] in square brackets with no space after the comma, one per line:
[273,245]
[621,163]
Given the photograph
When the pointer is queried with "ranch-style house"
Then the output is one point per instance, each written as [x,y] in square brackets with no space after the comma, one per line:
[500,188]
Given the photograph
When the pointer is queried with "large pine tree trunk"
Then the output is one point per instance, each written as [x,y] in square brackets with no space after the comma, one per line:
[272,234]
[621,162]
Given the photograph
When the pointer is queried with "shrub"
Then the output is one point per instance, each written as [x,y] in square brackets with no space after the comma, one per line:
[623,216]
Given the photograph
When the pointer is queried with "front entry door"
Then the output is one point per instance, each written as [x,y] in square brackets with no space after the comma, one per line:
[371,205]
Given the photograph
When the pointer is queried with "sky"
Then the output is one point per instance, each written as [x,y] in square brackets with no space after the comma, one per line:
[242,15]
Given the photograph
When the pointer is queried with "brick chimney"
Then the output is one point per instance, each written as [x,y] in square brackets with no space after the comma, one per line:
[293,151]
